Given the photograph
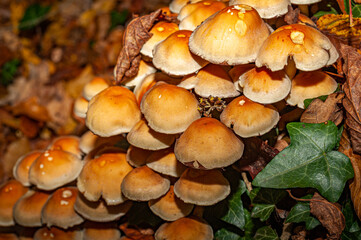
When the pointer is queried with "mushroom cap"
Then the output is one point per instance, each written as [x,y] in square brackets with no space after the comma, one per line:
[150,80]
[173,57]
[89,141]
[99,211]
[67,143]
[249,118]
[243,28]
[310,85]
[103,176]
[189,81]
[207,143]
[186,229]
[160,31]
[305,2]
[168,108]
[194,14]
[165,162]
[112,111]
[57,234]
[93,87]
[143,184]
[169,207]
[303,19]
[266,9]
[264,86]
[80,107]
[176,5]
[309,48]
[10,192]
[99,231]
[22,166]
[8,236]
[59,209]
[54,168]
[142,136]
[214,81]
[144,70]
[202,187]
[237,71]
[27,210]
[137,156]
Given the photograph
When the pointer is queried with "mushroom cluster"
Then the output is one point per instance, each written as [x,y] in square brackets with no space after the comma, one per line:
[203,86]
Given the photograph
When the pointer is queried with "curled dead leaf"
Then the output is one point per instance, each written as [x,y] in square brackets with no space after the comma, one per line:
[352,89]
[329,214]
[136,34]
[136,233]
[319,111]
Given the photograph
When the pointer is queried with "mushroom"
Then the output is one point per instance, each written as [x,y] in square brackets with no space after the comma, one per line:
[310,85]
[99,211]
[266,9]
[243,28]
[194,14]
[202,187]
[100,231]
[144,70]
[10,192]
[159,31]
[137,156]
[165,162]
[57,234]
[264,86]
[143,184]
[142,136]
[303,5]
[169,207]
[59,209]
[188,228]
[27,210]
[69,143]
[173,57]
[54,168]
[22,166]
[206,144]
[248,118]
[176,5]
[80,107]
[168,108]
[112,111]
[309,48]
[89,141]
[93,87]
[103,176]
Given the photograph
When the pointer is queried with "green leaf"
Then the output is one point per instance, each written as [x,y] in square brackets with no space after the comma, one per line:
[262,211]
[224,234]
[309,161]
[266,233]
[321,13]
[118,18]
[356,11]
[8,71]
[33,15]
[301,213]
[352,229]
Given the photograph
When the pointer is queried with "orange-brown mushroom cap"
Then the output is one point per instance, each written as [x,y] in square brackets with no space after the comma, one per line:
[165,162]
[168,108]
[69,143]
[103,176]
[93,87]
[22,167]
[57,234]
[266,9]
[207,143]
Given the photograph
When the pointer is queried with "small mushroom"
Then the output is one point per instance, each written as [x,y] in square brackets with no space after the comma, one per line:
[144,70]
[57,234]
[93,87]
[266,9]
[165,162]
[69,143]
[22,167]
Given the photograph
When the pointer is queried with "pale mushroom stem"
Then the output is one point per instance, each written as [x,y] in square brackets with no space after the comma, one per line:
[248,183]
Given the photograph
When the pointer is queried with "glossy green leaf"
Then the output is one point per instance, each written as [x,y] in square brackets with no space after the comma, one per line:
[356,11]
[266,233]
[262,211]
[309,161]
[34,14]
[301,213]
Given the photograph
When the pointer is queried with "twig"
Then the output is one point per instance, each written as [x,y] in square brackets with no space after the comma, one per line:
[286,231]
[245,179]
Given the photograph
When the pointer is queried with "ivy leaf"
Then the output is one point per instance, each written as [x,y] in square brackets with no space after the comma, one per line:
[301,213]
[309,161]
[224,234]
[33,15]
[352,229]
[262,211]
[266,233]
[356,11]
[8,71]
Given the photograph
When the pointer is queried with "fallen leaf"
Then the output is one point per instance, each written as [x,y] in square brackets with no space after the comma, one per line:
[291,16]
[355,185]
[31,108]
[29,127]
[352,89]
[257,154]
[136,233]
[329,214]
[319,111]
[319,167]
[136,34]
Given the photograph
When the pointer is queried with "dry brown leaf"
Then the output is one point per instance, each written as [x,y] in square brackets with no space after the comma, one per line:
[136,233]
[31,108]
[352,89]
[319,111]
[355,185]
[291,116]
[329,214]
[29,127]
[292,15]
[136,34]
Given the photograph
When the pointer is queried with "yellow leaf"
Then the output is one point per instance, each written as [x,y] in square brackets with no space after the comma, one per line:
[17,9]
[75,86]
